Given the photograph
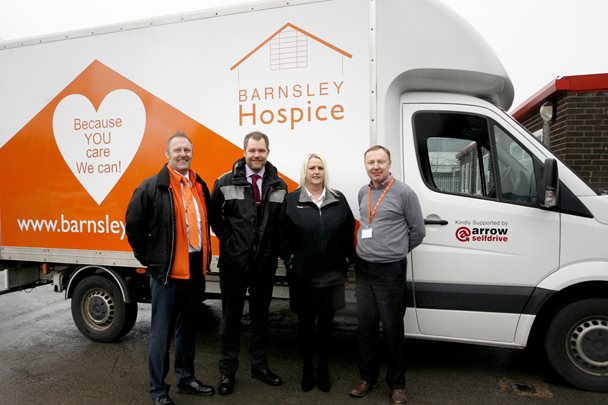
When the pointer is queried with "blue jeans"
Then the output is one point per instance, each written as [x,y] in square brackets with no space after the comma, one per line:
[380,292]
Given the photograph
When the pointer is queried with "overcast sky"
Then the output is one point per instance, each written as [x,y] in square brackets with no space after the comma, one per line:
[537,40]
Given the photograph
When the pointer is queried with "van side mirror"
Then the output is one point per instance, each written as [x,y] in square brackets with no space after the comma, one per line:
[550,184]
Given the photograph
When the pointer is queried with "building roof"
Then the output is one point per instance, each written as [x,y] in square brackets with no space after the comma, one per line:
[580,83]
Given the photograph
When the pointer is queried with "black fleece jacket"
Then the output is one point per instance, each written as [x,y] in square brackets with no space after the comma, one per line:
[321,240]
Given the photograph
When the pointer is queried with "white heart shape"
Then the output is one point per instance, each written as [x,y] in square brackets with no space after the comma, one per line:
[98,146]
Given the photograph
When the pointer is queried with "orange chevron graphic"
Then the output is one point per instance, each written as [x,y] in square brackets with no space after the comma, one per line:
[39,184]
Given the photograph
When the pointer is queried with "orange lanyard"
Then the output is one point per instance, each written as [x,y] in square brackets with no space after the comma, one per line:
[371,214]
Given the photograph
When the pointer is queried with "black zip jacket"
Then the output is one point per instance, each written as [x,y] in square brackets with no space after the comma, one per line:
[321,240]
[150,224]
[248,234]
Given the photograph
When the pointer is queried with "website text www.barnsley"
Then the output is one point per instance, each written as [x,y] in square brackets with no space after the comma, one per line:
[65,225]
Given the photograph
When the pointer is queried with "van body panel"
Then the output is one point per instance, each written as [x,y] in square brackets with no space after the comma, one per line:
[598,205]
[488,326]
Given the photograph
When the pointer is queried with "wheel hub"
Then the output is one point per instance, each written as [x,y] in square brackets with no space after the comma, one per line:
[588,345]
[99,307]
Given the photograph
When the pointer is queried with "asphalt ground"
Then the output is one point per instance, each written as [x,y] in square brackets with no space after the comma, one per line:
[45,360]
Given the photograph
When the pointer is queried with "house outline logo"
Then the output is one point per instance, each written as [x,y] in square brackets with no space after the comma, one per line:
[289,48]
[313,97]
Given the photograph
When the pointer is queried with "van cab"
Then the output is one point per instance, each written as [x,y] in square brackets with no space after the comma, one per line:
[515,241]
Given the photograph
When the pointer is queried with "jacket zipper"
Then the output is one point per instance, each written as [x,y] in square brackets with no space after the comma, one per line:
[171,236]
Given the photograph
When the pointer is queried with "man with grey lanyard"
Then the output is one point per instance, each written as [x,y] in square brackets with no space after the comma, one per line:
[391,226]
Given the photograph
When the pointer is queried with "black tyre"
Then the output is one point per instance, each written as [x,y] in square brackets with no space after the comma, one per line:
[130,318]
[577,344]
[98,309]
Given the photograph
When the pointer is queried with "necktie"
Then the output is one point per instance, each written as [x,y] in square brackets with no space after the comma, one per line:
[256,189]
[191,213]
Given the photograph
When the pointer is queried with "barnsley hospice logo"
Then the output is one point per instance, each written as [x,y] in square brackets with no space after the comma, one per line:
[296,98]
[482,231]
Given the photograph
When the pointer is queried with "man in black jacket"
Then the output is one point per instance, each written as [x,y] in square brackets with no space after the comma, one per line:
[248,202]
[167,227]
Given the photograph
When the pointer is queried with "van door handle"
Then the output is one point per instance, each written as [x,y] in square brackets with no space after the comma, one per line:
[434,221]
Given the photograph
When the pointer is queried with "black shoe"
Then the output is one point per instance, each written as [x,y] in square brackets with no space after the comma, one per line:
[323,381]
[195,387]
[226,384]
[267,376]
[308,377]
[163,400]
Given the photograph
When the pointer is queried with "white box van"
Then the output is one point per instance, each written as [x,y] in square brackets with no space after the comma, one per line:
[516,242]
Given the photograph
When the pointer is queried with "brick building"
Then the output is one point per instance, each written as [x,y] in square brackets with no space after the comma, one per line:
[577,132]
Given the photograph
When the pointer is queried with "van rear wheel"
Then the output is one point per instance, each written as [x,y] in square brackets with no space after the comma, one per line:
[99,311]
[577,344]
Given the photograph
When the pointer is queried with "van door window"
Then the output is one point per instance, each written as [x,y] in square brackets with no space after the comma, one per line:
[469,154]
[454,151]
[456,167]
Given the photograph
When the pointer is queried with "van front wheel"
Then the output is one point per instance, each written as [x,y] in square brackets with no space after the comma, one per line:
[577,344]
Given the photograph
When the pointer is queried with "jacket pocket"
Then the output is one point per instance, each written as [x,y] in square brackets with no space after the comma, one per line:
[277,196]
[233,192]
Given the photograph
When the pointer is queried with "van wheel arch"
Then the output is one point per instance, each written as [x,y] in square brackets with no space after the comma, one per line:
[576,292]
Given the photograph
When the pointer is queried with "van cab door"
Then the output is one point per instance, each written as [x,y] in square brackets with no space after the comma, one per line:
[488,241]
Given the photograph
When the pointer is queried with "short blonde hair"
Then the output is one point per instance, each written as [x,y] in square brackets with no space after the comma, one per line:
[305,167]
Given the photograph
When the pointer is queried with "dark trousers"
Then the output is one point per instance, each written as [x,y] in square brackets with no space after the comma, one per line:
[234,287]
[174,310]
[323,340]
[380,293]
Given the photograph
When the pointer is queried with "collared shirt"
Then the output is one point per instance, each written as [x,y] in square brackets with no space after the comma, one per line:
[249,173]
[198,213]
[383,184]
[318,201]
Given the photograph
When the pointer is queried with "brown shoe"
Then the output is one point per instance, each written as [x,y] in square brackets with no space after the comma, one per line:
[398,397]
[362,388]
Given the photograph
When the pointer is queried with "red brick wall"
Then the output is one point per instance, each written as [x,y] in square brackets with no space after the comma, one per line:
[579,134]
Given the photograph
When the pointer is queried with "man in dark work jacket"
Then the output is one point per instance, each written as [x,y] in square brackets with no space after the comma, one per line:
[248,202]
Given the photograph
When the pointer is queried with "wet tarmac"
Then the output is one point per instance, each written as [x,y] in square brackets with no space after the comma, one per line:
[45,360]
